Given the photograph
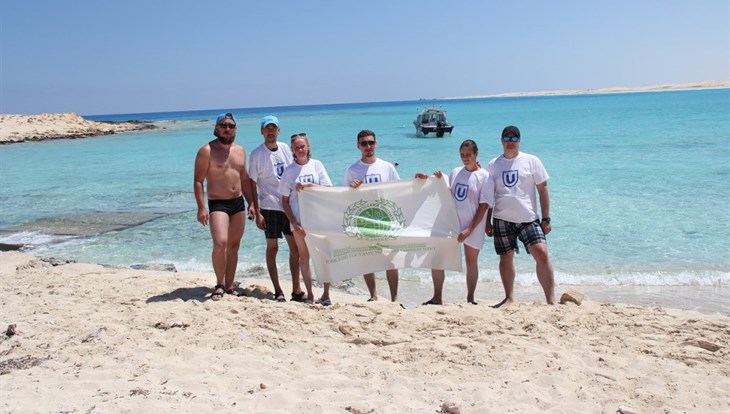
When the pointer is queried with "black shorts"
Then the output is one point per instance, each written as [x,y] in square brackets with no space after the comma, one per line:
[230,207]
[276,224]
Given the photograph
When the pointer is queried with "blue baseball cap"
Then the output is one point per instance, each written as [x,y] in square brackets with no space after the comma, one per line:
[269,120]
[224,116]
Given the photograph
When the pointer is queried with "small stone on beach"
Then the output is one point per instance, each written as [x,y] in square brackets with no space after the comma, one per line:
[572,295]
[450,408]
[160,267]
[708,345]
[257,291]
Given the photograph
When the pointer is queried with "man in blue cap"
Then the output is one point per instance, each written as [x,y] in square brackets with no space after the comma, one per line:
[222,165]
[266,164]
[515,178]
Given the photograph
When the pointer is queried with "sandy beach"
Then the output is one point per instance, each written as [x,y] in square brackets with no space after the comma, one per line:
[91,339]
[39,127]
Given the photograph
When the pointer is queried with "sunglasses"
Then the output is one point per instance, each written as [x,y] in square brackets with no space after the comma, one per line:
[301,134]
[510,139]
[226,126]
[367,143]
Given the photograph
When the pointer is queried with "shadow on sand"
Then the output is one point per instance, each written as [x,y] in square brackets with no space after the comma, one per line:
[200,294]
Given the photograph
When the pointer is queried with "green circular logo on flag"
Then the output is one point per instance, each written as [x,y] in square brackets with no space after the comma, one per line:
[373,220]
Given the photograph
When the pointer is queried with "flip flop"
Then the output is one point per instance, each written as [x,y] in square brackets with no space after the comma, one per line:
[279,297]
[298,297]
[325,302]
[430,302]
[218,292]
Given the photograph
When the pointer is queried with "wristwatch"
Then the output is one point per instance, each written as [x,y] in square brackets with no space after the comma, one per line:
[546,219]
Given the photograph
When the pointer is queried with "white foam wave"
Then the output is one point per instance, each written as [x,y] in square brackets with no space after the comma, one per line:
[191,265]
[30,238]
[663,278]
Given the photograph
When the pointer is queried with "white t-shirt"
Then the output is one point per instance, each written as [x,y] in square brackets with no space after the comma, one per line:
[514,181]
[311,172]
[378,172]
[469,189]
[265,167]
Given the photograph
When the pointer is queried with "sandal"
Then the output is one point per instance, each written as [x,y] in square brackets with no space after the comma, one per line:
[298,297]
[325,302]
[232,292]
[279,297]
[218,291]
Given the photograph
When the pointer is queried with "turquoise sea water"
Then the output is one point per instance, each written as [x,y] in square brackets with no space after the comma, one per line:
[640,186]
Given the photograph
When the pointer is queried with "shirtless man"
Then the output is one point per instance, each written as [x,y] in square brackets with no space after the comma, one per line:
[223,165]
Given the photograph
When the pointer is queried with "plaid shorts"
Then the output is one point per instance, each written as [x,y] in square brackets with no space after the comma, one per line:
[506,234]
[276,224]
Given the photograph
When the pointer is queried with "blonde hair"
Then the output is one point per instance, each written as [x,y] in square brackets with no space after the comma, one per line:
[304,136]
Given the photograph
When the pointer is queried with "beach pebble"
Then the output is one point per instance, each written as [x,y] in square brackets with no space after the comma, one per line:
[708,345]
[7,247]
[159,267]
[165,326]
[572,295]
[622,409]
[258,292]
[345,329]
[450,408]
[11,330]
[33,264]
[55,261]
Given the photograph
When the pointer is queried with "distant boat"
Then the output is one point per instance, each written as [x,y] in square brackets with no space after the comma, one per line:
[432,120]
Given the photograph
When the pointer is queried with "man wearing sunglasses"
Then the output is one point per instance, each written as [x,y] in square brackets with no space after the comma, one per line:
[266,165]
[222,165]
[368,170]
[515,176]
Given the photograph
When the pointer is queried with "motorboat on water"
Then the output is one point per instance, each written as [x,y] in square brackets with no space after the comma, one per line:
[432,120]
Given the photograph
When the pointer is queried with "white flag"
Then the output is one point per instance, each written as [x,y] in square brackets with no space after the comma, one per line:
[376,227]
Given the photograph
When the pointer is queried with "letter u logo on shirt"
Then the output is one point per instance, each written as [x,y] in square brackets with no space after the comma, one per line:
[510,178]
[461,191]
[375,178]
[279,169]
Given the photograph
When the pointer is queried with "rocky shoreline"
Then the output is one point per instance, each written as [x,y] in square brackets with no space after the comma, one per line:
[41,127]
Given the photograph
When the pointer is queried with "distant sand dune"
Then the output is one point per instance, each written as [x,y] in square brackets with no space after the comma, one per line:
[617,89]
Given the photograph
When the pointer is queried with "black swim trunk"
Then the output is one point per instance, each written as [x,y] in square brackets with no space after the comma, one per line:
[276,224]
[230,207]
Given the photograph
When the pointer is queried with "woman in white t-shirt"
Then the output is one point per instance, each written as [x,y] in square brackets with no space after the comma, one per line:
[303,172]
[469,187]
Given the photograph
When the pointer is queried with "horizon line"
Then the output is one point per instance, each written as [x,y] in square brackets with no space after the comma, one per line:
[714,84]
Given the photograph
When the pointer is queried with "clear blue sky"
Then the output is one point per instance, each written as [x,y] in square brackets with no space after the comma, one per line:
[103,57]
